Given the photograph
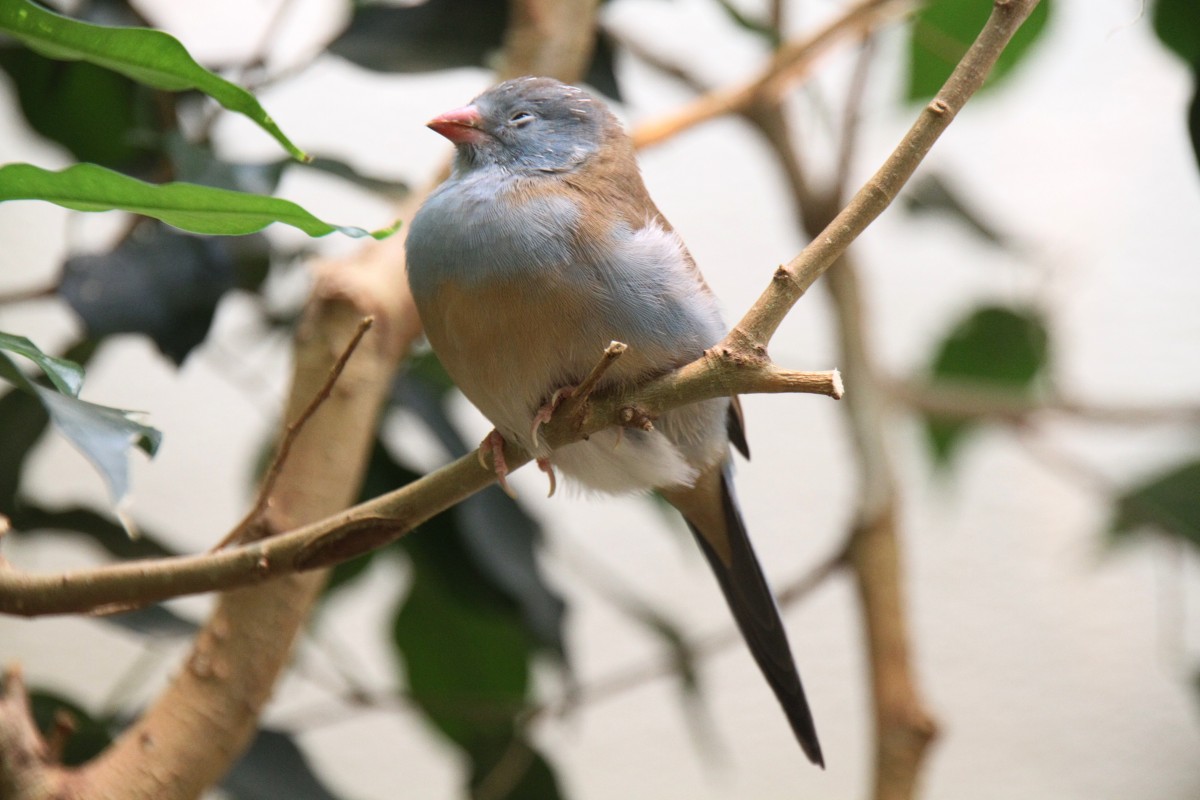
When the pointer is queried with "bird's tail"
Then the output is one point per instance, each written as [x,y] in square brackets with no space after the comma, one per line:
[711,511]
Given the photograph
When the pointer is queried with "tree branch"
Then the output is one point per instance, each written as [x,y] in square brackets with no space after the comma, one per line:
[377,522]
[737,365]
[788,64]
[793,279]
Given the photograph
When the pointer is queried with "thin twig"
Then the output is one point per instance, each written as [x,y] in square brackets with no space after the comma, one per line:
[793,280]
[851,112]
[588,385]
[789,63]
[256,515]
[25,295]
[962,400]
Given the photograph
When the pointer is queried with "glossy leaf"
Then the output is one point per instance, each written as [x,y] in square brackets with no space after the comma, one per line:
[199,209]
[1168,502]
[102,434]
[23,419]
[942,30]
[67,376]
[157,281]
[467,661]
[148,56]
[95,113]
[994,347]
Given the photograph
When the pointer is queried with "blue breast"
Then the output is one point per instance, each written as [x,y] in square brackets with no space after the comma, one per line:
[471,231]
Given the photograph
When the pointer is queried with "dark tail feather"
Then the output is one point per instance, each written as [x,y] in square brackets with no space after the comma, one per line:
[722,536]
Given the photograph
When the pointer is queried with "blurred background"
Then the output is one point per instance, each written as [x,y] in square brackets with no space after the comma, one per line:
[1029,306]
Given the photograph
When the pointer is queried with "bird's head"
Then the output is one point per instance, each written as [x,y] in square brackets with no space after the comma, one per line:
[528,125]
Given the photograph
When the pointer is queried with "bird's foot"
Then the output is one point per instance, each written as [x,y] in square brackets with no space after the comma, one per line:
[546,413]
[493,445]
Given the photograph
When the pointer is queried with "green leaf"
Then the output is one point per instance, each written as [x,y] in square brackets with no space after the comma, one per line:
[67,376]
[1168,502]
[746,23]
[1177,25]
[941,32]
[993,347]
[98,115]
[23,420]
[467,661]
[1193,113]
[89,736]
[102,434]
[148,56]
[199,209]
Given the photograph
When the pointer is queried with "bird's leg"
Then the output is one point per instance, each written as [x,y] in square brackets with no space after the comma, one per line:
[493,444]
[582,392]
[546,412]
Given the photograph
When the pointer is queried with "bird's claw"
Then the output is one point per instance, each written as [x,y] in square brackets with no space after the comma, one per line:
[546,413]
[493,444]
[545,466]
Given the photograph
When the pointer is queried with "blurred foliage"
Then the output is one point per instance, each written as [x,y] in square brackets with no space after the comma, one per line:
[445,34]
[941,32]
[1168,503]
[992,347]
[1177,24]
[274,767]
[936,194]
[88,735]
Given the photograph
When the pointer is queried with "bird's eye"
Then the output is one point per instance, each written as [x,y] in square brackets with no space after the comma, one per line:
[520,118]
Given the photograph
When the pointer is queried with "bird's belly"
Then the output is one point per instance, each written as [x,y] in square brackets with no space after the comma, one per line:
[508,347]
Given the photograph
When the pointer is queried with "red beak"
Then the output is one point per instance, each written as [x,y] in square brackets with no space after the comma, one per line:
[459,125]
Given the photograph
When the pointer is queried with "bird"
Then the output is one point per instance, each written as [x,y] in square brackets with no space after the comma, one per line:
[542,247]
